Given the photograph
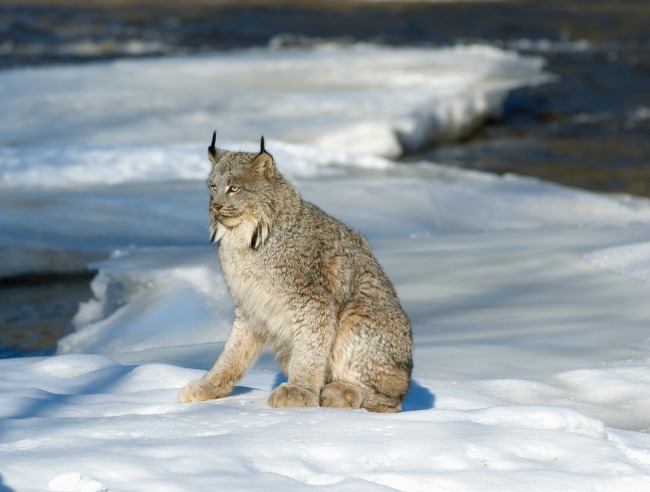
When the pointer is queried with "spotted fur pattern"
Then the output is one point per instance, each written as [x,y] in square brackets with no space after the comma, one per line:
[305,286]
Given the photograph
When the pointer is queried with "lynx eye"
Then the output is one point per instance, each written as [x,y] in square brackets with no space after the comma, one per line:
[233,189]
[213,188]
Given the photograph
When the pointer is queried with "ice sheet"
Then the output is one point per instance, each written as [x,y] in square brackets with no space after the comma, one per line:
[364,98]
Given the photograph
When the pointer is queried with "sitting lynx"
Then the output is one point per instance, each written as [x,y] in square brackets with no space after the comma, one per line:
[307,287]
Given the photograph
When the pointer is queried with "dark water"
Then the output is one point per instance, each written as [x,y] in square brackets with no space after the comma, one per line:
[37,311]
[589,129]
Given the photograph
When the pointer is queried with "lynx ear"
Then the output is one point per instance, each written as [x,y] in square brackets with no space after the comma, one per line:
[263,162]
[214,154]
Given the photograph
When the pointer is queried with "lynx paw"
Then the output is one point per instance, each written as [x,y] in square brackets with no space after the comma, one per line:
[290,395]
[341,395]
[199,390]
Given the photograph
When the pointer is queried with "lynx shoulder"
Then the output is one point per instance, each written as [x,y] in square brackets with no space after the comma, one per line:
[305,286]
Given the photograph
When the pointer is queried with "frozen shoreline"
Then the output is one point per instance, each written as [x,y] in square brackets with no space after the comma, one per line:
[362,98]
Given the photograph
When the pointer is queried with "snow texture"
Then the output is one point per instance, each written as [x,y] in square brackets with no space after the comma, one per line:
[528,300]
[371,99]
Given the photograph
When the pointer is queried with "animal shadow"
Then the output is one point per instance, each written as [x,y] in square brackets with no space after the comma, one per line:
[418,398]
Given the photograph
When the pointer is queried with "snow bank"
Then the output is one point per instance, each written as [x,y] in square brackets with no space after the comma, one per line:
[147,441]
[365,98]
[148,299]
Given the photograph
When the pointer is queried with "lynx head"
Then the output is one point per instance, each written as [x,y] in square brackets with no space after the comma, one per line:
[241,187]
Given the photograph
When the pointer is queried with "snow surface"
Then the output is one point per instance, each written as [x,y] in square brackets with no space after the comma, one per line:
[529,301]
[366,98]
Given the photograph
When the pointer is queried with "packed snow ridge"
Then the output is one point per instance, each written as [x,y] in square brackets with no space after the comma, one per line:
[363,98]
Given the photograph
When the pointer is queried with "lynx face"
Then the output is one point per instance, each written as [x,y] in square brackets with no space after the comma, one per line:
[241,194]
[231,195]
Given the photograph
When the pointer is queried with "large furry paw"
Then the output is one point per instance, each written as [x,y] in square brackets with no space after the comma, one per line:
[200,390]
[341,395]
[290,395]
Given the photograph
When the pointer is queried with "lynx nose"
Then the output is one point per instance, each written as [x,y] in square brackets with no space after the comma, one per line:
[216,206]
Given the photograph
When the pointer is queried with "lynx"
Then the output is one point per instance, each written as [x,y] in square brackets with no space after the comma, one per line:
[305,286]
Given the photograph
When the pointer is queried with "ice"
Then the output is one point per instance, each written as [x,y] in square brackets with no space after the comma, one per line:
[528,300]
[381,100]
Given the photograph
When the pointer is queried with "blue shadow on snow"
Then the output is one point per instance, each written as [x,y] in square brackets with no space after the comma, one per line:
[3,487]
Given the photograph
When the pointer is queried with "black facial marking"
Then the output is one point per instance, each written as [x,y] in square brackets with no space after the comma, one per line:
[254,238]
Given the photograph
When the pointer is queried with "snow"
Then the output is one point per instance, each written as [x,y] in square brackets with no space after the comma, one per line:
[92,424]
[631,259]
[528,300]
[371,99]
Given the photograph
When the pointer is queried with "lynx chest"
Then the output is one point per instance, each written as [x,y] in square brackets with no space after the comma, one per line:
[257,288]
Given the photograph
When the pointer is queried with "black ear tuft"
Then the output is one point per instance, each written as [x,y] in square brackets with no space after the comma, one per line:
[262,149]
[212,150]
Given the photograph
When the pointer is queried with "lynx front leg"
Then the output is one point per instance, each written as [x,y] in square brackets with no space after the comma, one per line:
[312,342]
[240,351]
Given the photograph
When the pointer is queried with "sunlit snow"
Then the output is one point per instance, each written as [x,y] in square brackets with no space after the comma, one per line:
[528,300]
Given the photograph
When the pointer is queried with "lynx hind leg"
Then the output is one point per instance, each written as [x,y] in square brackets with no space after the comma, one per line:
[370,363]
[377,402]
[341,394]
